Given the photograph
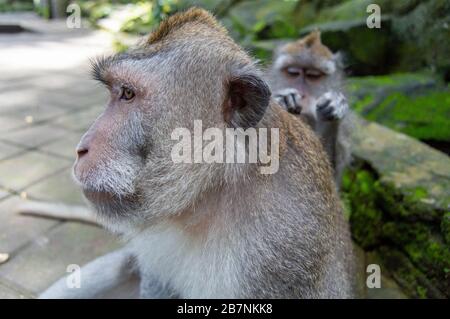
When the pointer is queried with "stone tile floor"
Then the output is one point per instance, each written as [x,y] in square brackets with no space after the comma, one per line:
[47,101]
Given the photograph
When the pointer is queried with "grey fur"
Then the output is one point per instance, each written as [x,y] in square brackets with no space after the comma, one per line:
[211,230]
[333,121]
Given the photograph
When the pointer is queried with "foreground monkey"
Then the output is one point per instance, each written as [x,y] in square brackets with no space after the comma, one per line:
[306,79]
[205,230]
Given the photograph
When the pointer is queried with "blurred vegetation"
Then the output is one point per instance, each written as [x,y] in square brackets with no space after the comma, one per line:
[16,5]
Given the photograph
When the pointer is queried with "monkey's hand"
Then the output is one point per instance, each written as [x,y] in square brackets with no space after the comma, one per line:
[289,99]
[332,106]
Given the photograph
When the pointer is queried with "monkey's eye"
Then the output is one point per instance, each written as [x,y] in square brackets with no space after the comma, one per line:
[313,74]
[293,71]
[126,94]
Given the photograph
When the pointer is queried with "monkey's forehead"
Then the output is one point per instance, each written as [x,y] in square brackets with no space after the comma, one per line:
[317,49]
[306,60]
[123,66]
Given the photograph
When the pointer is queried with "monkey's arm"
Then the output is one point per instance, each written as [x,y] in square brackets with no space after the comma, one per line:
[56,211]
[333,127]
[96,278]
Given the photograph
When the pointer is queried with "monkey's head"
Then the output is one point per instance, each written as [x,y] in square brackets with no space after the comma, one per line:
[306,65]
[188,69]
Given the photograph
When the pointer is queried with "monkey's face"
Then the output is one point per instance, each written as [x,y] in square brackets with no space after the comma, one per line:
[111,152]
[124,163]
[309,75]
[307,66]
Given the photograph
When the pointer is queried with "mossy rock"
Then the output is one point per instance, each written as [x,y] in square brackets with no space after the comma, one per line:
[398,196]
[418,172]
[415,283]
[417,104]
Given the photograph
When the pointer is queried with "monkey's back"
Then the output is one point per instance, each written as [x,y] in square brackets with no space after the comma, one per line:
[304,236]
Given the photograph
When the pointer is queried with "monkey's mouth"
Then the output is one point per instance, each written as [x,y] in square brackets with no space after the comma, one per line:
[98,195]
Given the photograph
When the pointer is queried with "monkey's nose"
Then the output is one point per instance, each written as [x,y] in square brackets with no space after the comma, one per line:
[81,151]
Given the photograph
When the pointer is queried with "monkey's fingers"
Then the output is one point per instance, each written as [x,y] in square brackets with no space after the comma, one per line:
[290,102]
[56,211]
[328,112]
[322,104]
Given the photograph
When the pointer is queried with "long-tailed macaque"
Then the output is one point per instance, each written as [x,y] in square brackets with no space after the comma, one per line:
[306,79]
[206,230]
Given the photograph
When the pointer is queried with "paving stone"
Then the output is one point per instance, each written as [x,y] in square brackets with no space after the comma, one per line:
[57,188]
[80,119]
[3,193]
[8,123]
[34,136]
[7,292]
[23,170]
[23,104]
[68,83]
[7,150]
[65,146]
[17,230]
[33,96]
[46,260]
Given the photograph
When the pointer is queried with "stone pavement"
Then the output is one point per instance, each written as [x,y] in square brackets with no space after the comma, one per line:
[47,101]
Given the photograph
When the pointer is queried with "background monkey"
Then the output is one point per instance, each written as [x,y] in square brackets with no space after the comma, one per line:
[306,79]
[205,230]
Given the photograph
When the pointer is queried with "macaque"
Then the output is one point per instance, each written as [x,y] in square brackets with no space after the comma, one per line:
[205,230]
[306,79]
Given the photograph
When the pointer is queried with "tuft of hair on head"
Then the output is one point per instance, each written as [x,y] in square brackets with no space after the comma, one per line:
[312,42]
[176,21]
[312,38]
[98,67]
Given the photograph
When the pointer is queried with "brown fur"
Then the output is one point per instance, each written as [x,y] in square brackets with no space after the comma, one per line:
[311,42]
[193,15]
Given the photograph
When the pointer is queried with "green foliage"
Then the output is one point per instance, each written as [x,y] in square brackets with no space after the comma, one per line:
[445,228]
[413,103]
[134,17]
[17,5]
[425,117]
[250,21]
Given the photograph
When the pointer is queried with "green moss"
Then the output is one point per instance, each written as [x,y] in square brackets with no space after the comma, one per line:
[360,105]
[414,282]
[425,117]
[392,81]
[408,205]
[416,104]
[365,219]
[421,292]
[425,250]
[445,227]
[382,217]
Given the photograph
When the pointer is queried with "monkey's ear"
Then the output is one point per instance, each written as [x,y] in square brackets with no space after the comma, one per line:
[247,100]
